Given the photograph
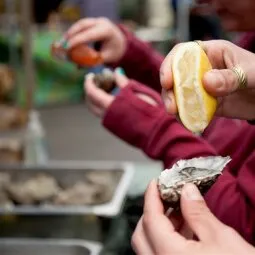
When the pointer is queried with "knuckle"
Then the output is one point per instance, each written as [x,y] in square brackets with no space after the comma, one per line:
[226,231]
[134,240]
[200,211]
[226,44]
[146,219]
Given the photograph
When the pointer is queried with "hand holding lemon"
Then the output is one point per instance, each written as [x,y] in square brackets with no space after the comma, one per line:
[193,75]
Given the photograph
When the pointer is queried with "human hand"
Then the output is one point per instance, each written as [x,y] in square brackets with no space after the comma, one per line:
[221,82]
[98,101]
[157,235]
[92,30]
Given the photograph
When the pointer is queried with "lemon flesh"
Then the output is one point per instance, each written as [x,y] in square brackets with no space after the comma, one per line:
[195,106]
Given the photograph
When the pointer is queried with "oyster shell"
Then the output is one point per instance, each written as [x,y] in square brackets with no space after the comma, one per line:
[105,80]
[202,171]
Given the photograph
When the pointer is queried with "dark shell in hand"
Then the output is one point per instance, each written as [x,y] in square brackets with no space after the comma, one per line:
[105,80]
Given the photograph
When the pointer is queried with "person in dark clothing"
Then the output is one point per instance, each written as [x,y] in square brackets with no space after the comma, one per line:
[42,8]
[202,26]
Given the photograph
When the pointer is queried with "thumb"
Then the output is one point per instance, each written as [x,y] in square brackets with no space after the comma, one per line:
[121,79]
[220,82]
[197,215]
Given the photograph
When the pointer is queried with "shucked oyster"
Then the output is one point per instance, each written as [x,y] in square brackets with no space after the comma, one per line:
[203,172]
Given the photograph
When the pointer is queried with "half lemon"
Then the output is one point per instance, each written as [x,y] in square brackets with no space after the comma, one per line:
[196,107]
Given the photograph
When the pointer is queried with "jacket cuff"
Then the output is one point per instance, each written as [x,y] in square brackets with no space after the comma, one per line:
[132,119]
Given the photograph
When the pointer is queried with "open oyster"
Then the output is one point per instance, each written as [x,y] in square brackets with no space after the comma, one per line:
[202,171]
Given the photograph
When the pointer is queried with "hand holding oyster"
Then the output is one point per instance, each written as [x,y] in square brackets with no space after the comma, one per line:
[203,172]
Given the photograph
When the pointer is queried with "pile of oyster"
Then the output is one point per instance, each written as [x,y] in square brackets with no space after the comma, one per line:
[44,189]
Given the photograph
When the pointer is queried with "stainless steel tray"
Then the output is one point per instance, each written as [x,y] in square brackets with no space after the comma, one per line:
[48,247]
[62,169]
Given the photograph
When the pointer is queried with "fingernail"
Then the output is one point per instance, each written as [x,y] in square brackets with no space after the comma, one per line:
[64,44]
[191,192]
[120,70]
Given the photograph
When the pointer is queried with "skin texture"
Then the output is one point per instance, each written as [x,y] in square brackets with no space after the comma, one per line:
[234,15]
[157,235]
[221,82]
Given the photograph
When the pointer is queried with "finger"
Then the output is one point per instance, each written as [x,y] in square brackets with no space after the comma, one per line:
[139,241]
[157,227]
[146,99]
[166,77]
[220,82]
[97,33]
[197,215]
[96,95]
[94,109]
[169,101]
[180,226]
[121,79]
[91,35]
[243,102]
[107,52]
[79,26]
[152,201]
[91,103]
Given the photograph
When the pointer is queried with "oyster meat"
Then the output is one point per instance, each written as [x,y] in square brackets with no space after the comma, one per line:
[202,172]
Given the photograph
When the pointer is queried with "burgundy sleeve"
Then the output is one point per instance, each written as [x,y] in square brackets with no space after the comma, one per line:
[140,61]
[232,199]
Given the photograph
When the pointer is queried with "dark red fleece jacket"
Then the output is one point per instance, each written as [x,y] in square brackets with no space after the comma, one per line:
[161,137]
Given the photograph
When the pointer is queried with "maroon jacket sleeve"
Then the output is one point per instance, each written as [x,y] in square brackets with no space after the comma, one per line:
[140,61]
[232,199]
[150,128]
[161,137]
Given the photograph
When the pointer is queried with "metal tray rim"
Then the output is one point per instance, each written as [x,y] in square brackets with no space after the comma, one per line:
[110,209]
[94,247]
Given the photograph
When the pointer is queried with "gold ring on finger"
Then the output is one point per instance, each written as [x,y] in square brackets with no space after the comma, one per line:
[241,77]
